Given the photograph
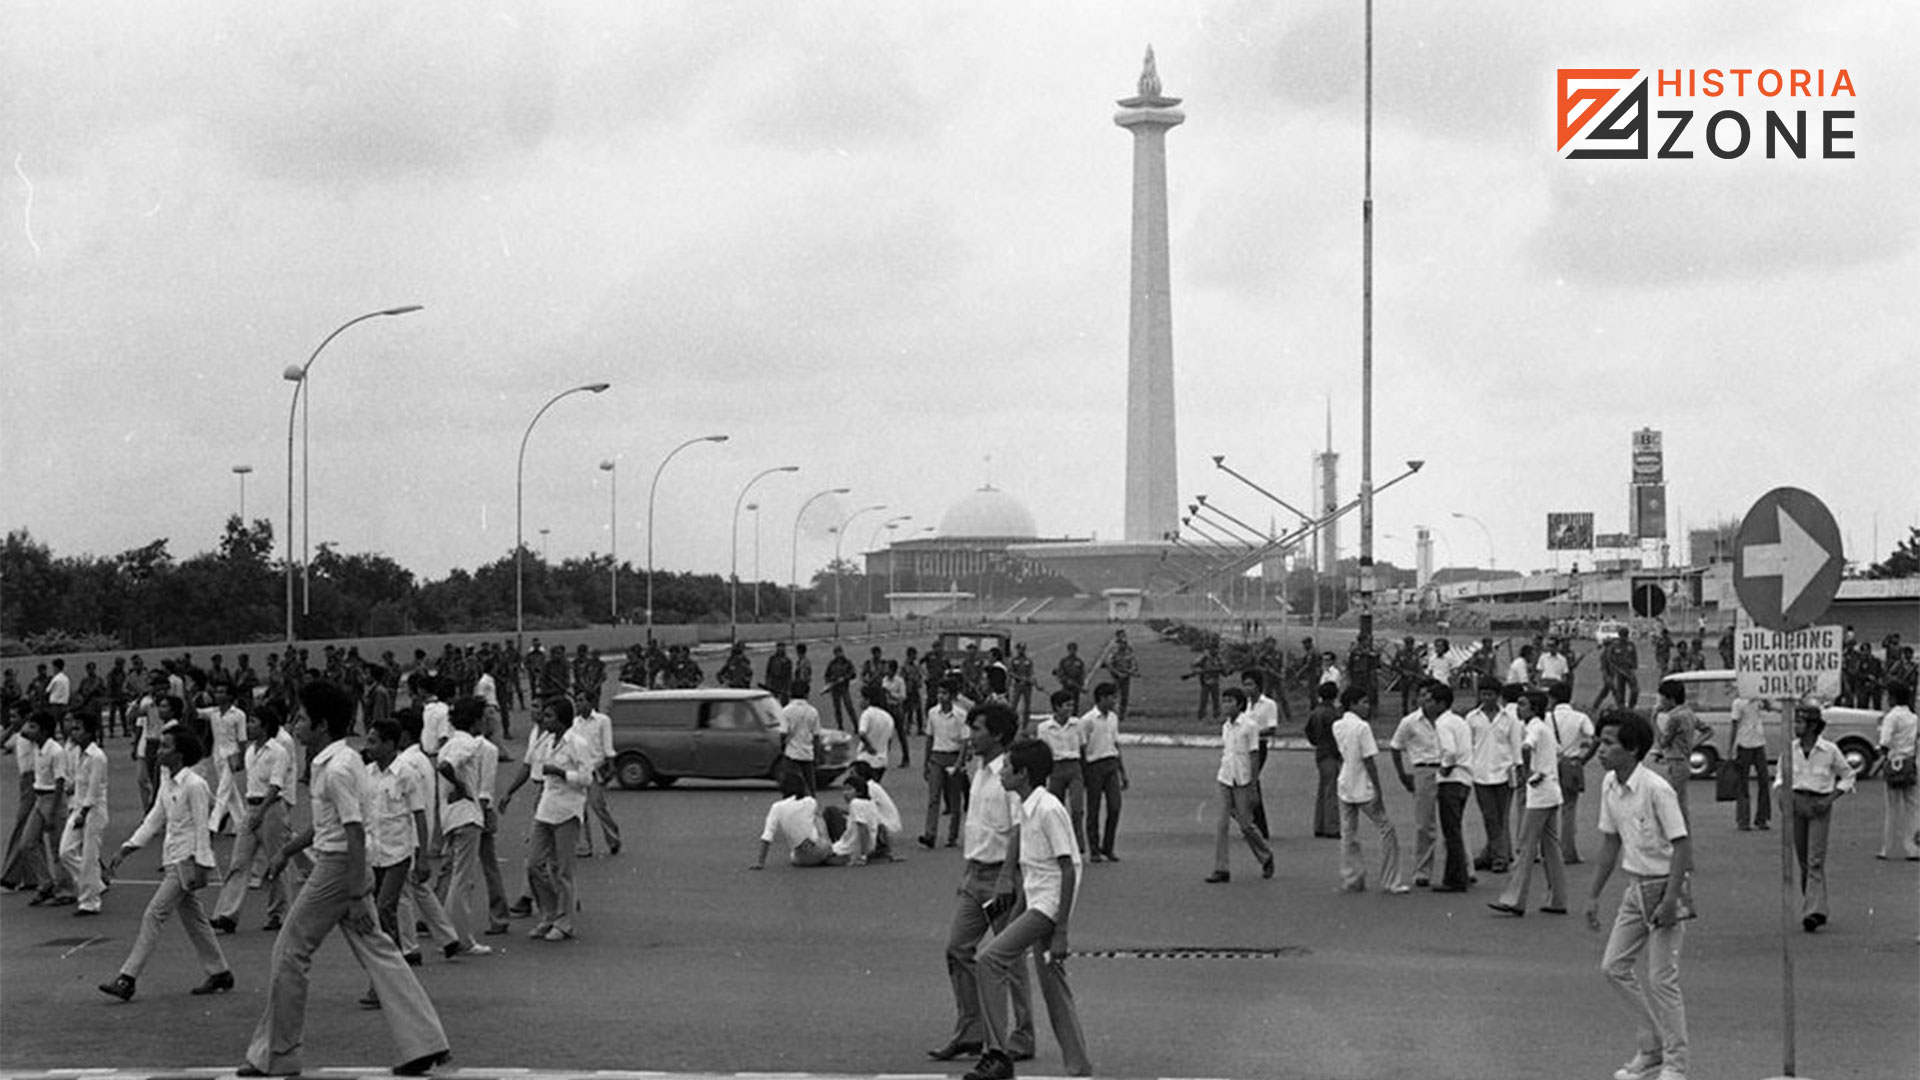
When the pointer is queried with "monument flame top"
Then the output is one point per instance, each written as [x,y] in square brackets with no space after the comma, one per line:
[1150,96]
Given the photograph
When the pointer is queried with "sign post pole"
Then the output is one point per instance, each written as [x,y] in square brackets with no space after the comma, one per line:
[1787,891]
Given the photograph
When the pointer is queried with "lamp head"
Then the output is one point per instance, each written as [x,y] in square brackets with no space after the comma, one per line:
[407,310]
[1415,465]
[243,469]
[1219,460]
[1201,499]
[787,468]
[597,387]
[607,466]
[294,373]
[1192,508]
[840,491]
[714,438]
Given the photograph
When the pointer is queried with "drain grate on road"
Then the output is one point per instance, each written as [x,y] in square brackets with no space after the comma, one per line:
[1197,952]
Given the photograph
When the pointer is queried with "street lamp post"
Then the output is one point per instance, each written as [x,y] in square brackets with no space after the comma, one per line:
[1484,531]
[519,514]
[873,543]
[733,549]
[839,535]
[297,375]
[241,471]
[543,544]
[652,489]
[793,575]
[610,467]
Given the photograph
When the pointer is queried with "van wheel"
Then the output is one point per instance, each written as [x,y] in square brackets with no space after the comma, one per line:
[1703,763]
[634,771]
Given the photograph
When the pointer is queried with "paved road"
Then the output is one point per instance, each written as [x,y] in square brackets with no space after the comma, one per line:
[689,963]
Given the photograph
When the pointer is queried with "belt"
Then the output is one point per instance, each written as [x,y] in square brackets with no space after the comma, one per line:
[980,865]
[256,800]
[1426,764]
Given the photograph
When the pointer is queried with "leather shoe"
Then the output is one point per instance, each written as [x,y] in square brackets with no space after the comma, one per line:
[1507,909]
[994,1065]
[1266,868]
[925,842]
[223,925]
[1218,877]
[1554,910]
[423,1065]
[121,987]
[1021,1055]
[954,1049]
[217,983]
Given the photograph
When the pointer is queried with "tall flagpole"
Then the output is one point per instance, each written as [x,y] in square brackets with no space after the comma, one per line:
[1366,374]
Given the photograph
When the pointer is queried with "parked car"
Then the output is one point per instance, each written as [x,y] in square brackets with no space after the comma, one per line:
[660,736]
[955,642]
[1711,692]
[1608,629]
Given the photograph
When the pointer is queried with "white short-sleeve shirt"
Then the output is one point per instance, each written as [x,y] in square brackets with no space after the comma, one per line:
[1645,814]
[1046,835]
[1354,737]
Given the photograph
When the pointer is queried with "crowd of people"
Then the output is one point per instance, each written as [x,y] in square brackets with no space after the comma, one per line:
[400,834]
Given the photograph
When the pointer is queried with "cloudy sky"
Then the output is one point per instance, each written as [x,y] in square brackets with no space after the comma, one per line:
[887,242]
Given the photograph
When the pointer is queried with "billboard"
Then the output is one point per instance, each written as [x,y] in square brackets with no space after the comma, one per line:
[1648,462]
[1614,541]
[1570,531]
[1649,511]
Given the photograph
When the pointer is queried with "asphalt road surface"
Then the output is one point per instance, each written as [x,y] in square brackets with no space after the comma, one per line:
[688,962]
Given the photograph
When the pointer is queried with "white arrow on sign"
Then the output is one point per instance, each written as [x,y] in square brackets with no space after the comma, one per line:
[1796,559]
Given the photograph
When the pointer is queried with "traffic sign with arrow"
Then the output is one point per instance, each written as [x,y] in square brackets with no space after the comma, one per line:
[1787,560]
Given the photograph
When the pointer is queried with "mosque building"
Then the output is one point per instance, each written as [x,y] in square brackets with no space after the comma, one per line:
[968,552]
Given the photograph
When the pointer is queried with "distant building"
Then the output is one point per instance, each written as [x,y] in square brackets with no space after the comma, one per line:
[1713,544]
[968,552]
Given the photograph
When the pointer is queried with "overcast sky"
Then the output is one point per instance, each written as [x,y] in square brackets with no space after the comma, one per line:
[884,241]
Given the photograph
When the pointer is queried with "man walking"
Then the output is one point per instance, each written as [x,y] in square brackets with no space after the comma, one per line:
[1455,787]
[1360,793]
[1643,831]
[1539,827]
[1747,754]
[946,738]
[1066,736]
[1416,745]
[987,891]
[1106,773]
[1496,753]
[1821,775]
[1238,737]
[337,894]
[1574,731]
[87,816]
[264,829]
[595,729]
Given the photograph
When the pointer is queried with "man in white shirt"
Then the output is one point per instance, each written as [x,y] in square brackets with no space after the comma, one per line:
[799,734]
[86,816]
[1643,830]
[875,730]
[1553,667]
[1442,662]
[1238,739]
[1539,826]
[1048,858]
[565,765]
[595,729]
[229,726]
[418,903]
[264,829]
[1455,785]
[1067,738]
[1899,739]
[59,688]
[34,866]
[462,818]
[337,893]
[1747,755]
[1265,714]
[1574,731]
[1821,774]
[1360,793]
[793,822]
[1496,753]
[186,863]
[1106,772]
[946,782]
[987,889]
[1416,758]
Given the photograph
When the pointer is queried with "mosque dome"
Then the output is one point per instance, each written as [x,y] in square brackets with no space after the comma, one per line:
[988,512]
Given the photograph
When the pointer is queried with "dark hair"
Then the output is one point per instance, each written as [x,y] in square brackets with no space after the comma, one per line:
[268,717]
[1561,693]
[328,705]
[1673,690]
[1812,715]
[798,689]
[1537,699]
[1236,695]
[1253,674]
[188,745]
[1061,697]
[863,769]
[875,695]
[998,718]
[1328,691]
[1105,689]
[857,784]
[389,731]
[1631,731]
[467,712]
[1439,692]
[412,722]
[1512,692]
[561,707]
[1033,758]
[792,783]
[1351,696]
[1899,693]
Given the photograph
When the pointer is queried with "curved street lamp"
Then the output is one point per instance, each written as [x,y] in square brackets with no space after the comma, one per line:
[519,513]
[651,490]
[297,375]
[1484,531]
[793,581]
[241,471]
[839,535]
[611,468]
[733,575]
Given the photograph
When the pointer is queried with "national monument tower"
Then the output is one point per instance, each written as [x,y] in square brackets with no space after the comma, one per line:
[1153,498]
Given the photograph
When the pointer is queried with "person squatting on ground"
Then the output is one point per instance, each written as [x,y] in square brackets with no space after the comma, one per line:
[1235,777]
[1360,793]
[795,822]
[1540,825]
[186,864]
[338,893]
[986,895]
[1643,831]
[1048,864]
[1106,773]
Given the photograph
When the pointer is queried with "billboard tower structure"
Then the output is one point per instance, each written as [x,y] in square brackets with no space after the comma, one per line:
[1647,502]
